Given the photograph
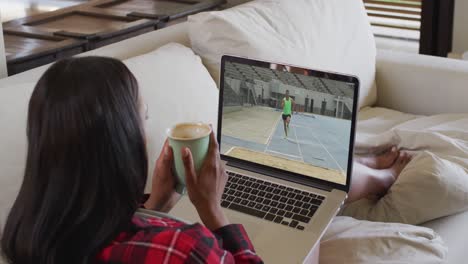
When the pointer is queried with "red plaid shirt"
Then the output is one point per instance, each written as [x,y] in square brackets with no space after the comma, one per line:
[163,240]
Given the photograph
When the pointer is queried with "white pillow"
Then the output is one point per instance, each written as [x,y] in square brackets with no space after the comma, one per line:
[352,241]
[14,102]
[431,186]
[332,35]
[177,88]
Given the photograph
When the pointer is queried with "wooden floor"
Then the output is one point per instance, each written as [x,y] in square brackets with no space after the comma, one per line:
[33,38]
[12,9]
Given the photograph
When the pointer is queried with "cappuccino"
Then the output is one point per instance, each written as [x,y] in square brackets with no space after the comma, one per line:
[194,136]
[189,131]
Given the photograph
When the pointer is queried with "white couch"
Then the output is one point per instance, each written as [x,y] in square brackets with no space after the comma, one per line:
[408,83]
[3,67]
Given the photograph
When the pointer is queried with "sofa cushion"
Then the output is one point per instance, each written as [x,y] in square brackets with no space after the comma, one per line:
[332,35]
[453,232]
[14,102]
[177,88]
[352,241]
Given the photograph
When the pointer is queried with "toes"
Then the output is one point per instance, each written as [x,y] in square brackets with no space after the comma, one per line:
[405,158]
[410,157]
[393,153]
[401,158]
[397,151]
[391,150]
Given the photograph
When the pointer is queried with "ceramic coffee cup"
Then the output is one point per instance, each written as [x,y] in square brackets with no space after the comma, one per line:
[196,137]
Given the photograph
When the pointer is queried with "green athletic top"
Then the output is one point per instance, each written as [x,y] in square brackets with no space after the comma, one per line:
[287,109]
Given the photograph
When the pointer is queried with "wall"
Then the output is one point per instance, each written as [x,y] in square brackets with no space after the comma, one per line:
[299,93]
[460,28]
[235,84]
[3,68]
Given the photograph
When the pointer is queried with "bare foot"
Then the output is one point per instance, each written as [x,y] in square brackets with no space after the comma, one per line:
[381,161]
[385,178]
[400,164]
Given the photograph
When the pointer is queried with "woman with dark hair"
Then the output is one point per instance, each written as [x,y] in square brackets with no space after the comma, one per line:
[85,175]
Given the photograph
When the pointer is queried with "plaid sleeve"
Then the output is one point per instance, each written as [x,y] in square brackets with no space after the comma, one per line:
[233,246]
[161,240]
[234,239]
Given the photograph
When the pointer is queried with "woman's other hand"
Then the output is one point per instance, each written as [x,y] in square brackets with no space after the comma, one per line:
[206,188]
[163,196]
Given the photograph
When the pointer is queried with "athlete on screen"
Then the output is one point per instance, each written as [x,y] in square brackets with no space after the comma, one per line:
[288,106]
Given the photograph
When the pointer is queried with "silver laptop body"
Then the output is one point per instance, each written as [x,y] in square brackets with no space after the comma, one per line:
[286,181]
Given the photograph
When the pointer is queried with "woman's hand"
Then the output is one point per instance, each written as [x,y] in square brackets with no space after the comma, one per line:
[163,196]
[206,188]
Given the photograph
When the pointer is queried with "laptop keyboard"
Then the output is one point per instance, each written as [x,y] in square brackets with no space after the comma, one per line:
[272,202]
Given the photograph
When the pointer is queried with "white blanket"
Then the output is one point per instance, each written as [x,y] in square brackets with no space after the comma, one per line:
[357,242]
[441,134]
[435,183]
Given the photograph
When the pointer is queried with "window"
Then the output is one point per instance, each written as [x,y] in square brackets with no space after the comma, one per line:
[423,26]
[396,23]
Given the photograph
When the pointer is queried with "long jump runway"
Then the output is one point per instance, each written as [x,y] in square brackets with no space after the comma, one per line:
[320,141]
[313,139]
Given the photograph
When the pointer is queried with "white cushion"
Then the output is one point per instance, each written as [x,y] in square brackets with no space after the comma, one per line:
[421,84]
[173,82]
[352,241]
[14,102]
[177,88]
[332,35]
[3,64]
[453,231]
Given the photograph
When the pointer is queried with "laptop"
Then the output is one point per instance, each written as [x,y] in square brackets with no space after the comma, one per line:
[286,134]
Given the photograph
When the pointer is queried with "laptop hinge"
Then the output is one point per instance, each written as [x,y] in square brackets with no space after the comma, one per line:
[280,175]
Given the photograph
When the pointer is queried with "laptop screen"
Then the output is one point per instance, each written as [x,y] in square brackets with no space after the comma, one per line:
[289,118]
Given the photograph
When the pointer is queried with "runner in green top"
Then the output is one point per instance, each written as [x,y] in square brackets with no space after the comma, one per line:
[288,106]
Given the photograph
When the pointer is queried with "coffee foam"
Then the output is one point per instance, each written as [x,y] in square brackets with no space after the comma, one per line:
[189,131]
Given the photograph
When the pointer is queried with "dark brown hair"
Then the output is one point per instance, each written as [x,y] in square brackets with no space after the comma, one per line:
[86,165]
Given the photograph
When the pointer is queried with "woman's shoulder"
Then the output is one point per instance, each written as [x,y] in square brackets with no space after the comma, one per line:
[151,238]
